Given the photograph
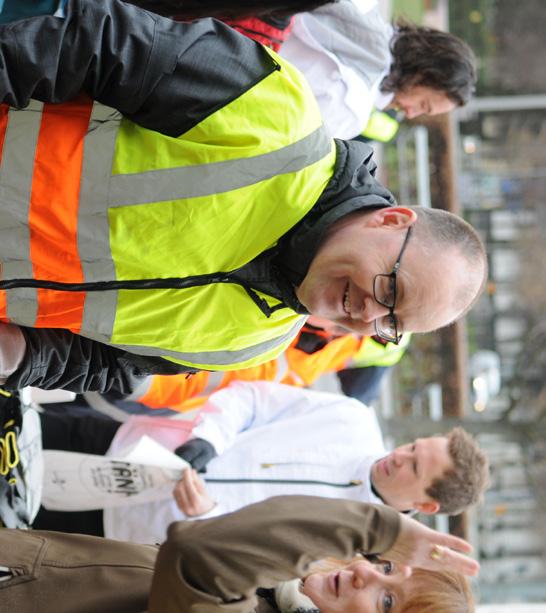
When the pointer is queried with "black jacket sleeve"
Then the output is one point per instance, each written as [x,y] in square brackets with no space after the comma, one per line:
[58,359]
[164,75]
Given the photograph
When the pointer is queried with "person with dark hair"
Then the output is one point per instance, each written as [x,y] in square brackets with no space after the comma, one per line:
[429,58]
[202,245]
[217,564]
[355,61]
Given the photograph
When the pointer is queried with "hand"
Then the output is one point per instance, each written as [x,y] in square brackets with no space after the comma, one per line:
[197,452]
[191,495]
[422,547]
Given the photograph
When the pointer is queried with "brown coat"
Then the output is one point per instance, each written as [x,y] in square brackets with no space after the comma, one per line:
[211,565]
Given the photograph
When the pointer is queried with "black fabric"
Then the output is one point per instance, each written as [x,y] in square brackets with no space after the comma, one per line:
[75,522]
[84,433]
[364,384]
[268,595]
[280,22]
[312,339]
[58,359]
[197,452]
[164,75]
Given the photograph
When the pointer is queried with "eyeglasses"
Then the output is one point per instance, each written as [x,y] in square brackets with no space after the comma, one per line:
[384,292]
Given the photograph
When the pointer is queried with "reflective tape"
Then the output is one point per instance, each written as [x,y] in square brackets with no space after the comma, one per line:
[217,177]
[99,312]
[16,175]
[219,358]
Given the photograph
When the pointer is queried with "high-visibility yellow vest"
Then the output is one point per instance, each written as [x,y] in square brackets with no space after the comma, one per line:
[373,353]
[381,127]
[106,214]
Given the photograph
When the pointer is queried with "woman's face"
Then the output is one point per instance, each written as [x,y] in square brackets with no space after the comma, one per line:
[360,587]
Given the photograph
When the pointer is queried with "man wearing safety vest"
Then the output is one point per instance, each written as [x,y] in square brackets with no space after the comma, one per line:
[198,231]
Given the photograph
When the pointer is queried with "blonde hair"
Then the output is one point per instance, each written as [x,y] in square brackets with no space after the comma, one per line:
[438,592]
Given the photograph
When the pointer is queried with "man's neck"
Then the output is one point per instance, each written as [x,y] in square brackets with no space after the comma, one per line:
[379,495]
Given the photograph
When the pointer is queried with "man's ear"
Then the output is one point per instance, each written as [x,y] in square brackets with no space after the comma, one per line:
[428,508]
[394,217]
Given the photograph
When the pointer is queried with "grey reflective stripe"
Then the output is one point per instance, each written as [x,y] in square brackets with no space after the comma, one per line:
[99,315]
[99,311]
[218,177]
[141,389]
[283,368]
[16,175]
[213,381]
[99,403]
[219,358]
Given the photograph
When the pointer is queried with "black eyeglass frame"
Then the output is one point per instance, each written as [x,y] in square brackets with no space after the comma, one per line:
[392,278]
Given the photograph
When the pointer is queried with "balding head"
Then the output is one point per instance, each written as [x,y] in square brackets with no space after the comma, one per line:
[441,273]
[440,231]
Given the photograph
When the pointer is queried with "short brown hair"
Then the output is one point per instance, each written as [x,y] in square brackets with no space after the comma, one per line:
[433,591]
[464,484]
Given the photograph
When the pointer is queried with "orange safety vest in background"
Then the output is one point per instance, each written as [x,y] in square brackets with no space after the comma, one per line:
[294,367]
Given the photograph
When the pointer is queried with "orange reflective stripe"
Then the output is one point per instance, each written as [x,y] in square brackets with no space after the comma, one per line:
[4,113]
[183,393]
[53,215]
[173,391]
[262,372]
[310,366]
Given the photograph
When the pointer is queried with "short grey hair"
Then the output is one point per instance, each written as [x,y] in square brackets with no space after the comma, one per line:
[444,230]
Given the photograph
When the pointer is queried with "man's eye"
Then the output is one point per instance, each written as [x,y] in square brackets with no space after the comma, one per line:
[390,290]
[388,602]
[388,568]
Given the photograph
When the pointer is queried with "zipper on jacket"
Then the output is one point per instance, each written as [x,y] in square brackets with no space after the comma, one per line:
[273,464]
[352,483]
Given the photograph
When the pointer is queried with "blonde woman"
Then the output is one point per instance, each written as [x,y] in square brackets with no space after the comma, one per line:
[234,562]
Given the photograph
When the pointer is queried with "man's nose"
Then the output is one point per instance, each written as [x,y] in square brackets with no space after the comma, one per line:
[372,310]
[400,456]
[412,112]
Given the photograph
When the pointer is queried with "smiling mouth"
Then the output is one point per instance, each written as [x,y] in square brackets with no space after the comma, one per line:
[386,467]
[336,584]
[347,302]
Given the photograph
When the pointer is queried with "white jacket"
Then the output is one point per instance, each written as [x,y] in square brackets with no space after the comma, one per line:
[343,51]
[263,432]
